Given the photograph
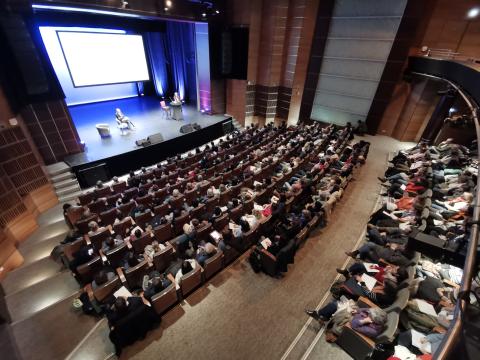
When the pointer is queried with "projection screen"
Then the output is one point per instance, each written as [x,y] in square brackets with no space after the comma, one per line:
[101,59]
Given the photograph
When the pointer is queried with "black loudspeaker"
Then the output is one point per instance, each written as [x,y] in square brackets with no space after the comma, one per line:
[142,142]
[185,129]
[234,53]
[188,128]
[26,55]
[155,138]
[90,176]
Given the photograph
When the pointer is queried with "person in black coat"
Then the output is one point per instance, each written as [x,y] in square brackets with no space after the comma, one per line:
[130,320]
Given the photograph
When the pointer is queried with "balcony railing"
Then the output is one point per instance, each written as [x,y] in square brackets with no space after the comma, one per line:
[444,65]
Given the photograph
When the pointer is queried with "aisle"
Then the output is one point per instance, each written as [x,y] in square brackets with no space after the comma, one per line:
[243,315]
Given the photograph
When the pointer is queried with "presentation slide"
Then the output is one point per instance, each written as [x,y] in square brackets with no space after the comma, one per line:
[99,58]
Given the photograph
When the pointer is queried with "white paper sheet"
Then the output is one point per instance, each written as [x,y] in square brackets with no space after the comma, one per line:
[266,243]
[417,338]
[426,308]
[370,267]
[215,235]
[369,281]
[122,292]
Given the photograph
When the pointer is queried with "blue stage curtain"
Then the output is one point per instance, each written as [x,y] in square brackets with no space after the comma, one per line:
[157,52]
[181,54]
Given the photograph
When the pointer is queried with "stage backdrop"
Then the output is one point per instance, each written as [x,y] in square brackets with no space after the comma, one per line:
[172,60]
[87,94]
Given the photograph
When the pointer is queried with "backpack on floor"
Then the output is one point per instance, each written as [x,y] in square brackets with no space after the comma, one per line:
[255,261]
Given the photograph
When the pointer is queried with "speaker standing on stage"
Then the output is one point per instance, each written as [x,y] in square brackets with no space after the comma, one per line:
[176,97]
[176,106]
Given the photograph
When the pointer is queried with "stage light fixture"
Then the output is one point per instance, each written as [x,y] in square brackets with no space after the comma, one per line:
[168,3]
[473,13]
[166,9]
[204,15]
[217,11]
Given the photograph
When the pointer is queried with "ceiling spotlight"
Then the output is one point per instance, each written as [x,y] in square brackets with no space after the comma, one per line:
[204,15]
[168,3]
[217,11]
[473,13]
[166,8]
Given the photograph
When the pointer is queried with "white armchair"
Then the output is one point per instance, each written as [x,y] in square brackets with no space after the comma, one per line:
[103,130]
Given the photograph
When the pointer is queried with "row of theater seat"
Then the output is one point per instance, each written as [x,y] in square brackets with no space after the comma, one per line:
[133,276]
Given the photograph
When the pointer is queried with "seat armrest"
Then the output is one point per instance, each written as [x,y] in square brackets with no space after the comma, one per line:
[102,256]
[121,275]
[370,342]
[271,256]
[451,283]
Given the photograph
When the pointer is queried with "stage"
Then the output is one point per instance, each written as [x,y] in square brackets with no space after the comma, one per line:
[119,153]
[145,113]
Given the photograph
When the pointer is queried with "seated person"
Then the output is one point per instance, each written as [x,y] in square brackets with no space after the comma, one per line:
[433,290]
[226,237]
[392,253]
[369,322]
[102,277]
[111,243]
[129,320]
[94,228]
[251,220]
[233,203]
[130,260]
[82,256]
[217,212]
[122,119]
[151,249]
[175,275]
[156,285]
[205,252]
[135,234]
[239,230]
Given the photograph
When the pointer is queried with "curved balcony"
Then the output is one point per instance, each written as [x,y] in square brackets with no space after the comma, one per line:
[462,336]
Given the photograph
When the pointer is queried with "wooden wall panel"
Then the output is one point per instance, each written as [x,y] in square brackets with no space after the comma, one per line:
[52,130]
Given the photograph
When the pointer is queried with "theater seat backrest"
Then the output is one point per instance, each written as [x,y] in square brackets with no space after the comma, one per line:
[107,289]
[213,265]
[191,281]
[165,299]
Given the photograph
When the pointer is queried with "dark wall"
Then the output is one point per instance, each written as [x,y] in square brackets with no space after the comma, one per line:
[393,70]
[322,27]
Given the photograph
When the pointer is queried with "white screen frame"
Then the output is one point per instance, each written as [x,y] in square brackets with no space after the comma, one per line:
[136,41]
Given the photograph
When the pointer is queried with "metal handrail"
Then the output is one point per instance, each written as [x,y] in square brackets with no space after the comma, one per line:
[453,334]
[446,54]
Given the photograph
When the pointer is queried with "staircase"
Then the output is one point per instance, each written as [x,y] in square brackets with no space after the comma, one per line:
[64,181]
[39,296]
[236,124]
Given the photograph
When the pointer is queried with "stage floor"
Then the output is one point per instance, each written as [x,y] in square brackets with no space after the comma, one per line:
[145,113]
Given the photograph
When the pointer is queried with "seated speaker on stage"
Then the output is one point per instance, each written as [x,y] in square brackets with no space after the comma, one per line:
[123,121]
